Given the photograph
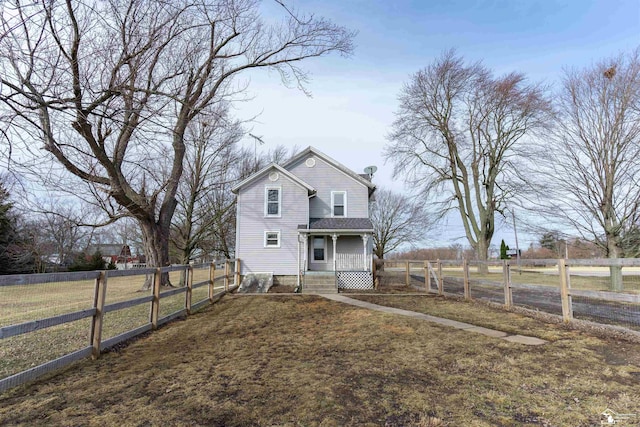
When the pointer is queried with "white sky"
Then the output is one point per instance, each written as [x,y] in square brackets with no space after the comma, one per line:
[354,99]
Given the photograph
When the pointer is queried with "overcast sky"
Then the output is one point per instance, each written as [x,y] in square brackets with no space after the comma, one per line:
[354,99]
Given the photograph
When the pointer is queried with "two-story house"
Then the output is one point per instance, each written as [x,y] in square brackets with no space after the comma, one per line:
[307,223]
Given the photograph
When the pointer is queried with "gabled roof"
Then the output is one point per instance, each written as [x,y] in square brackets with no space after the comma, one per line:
[262,172]
[311,150]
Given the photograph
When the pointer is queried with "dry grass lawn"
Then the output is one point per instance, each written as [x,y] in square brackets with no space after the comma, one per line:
[305,361]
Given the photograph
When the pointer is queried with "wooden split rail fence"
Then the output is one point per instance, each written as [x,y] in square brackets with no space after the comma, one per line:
[433,273]
[100,307]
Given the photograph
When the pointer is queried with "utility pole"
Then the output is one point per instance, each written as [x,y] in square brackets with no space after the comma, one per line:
[515,231]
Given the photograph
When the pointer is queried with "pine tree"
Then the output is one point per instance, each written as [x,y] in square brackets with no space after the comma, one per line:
[13,258]
[503,250]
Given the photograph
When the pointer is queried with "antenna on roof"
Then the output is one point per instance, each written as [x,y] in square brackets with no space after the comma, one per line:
[370,170]
[256,140]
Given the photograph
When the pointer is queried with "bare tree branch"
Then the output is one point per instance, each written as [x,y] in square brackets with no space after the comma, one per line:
[397,220]
[109,88]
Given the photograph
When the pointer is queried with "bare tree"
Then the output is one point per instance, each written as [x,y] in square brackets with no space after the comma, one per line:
[64,231]
[459,134]
[109,88]
[210,158]
[397,220]
[596,155]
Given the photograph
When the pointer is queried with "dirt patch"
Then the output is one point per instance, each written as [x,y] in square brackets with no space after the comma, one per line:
[282,289]
[303,360]
[619,353]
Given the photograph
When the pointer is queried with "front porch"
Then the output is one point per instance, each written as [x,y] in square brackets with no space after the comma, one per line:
[337,258]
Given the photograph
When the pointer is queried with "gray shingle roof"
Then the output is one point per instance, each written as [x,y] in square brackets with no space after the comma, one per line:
[340,224]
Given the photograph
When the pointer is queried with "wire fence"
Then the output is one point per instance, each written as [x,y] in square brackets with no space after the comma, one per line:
[50,320]
[605,291]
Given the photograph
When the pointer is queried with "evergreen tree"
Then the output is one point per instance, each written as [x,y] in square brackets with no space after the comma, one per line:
[14,258]
[86,262]
[503,250]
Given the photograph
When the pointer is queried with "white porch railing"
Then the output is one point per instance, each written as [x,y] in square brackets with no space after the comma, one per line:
[350,262]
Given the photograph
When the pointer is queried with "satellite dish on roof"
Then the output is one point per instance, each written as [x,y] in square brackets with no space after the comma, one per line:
[370,170]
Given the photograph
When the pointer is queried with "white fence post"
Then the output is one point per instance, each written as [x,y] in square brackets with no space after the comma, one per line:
[565,296]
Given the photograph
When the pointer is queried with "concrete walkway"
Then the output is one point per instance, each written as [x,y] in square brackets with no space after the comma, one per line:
[521,339]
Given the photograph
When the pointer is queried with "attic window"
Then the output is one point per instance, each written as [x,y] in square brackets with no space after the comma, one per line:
[311,162]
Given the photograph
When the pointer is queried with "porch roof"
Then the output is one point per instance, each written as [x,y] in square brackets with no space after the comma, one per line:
[338,224]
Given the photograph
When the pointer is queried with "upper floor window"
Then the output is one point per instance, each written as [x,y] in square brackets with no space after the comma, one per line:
[272,202]
[339,203]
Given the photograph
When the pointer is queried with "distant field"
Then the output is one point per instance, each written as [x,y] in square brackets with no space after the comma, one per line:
[23,303]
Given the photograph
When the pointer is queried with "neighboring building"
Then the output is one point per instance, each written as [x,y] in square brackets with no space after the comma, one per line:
[118,254]
[308,217]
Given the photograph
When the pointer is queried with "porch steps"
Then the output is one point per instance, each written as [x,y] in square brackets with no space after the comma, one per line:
[319,283]
[319,289]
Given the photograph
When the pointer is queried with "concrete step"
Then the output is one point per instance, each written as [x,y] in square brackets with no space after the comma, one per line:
[319,279]
[326,288]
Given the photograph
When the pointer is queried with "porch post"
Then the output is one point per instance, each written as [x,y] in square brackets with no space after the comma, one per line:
[298,264]
[305,240]
[335,241]
[365,240]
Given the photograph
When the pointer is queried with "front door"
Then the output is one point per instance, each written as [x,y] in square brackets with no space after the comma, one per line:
[318,255]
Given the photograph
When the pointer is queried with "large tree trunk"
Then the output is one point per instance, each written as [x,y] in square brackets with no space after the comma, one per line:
[615,271]
[155,238]
[482,252]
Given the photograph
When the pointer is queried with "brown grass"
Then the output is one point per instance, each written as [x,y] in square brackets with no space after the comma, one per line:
[302,360]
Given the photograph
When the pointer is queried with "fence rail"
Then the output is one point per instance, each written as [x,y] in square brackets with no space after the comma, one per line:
[606,291]
[109,294]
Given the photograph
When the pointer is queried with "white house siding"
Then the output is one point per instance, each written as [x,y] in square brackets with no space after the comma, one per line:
[252,224]
[325,179]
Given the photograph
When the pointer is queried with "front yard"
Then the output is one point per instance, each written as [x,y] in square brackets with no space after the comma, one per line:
[303,360]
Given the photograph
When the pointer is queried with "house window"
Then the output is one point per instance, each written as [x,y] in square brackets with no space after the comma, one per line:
[319,249]
[271,239]
[339,203]
[272,201]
